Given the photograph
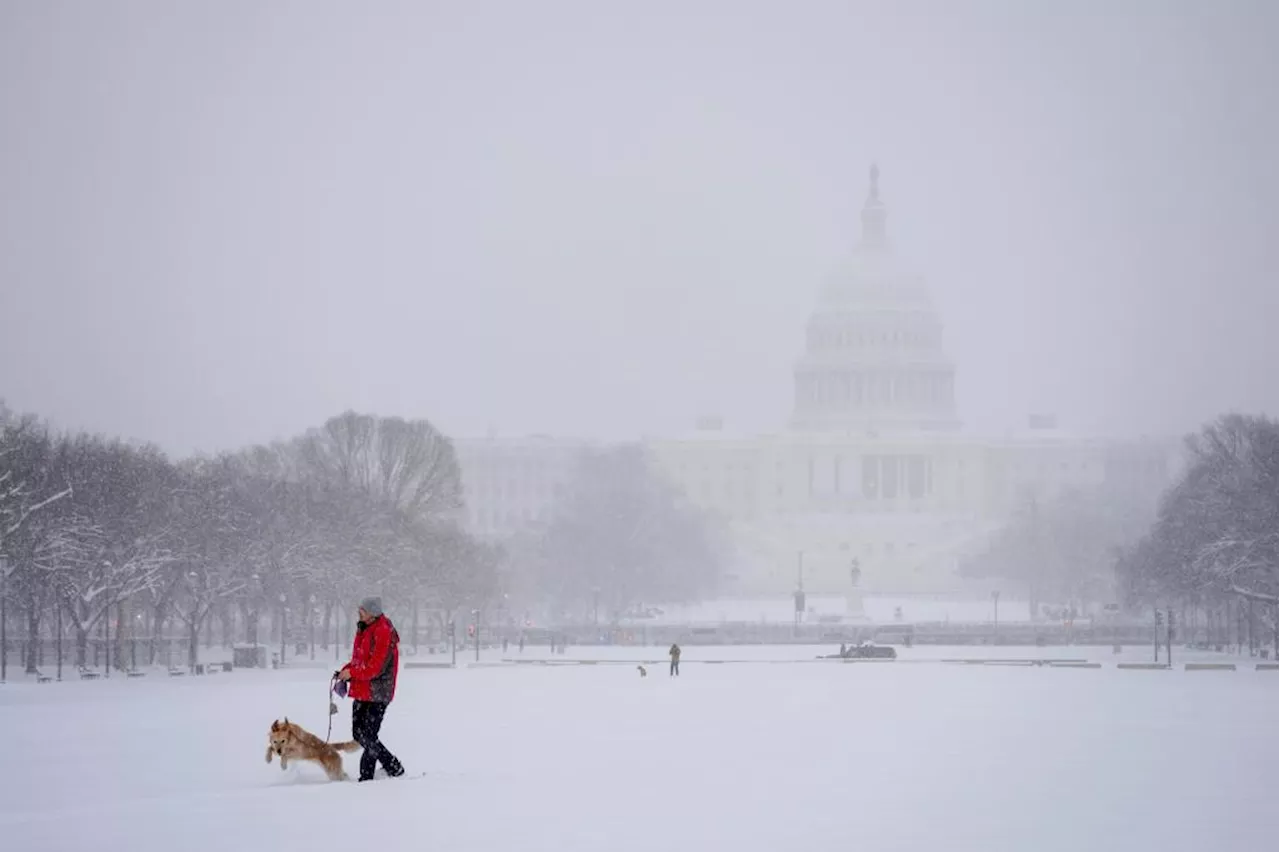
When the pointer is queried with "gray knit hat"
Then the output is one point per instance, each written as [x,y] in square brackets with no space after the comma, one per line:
[372,605]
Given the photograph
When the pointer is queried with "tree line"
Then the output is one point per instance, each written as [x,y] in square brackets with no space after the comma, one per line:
[1206,547]
[107,537]
[92,527]
[1213,545]
[622,537]
[1060,551]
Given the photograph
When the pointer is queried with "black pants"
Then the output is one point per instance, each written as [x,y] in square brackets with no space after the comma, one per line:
[675,668]
[366,721]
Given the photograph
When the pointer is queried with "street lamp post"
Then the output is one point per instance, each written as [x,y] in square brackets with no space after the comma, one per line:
[995,612]
[311,624]
[475,622]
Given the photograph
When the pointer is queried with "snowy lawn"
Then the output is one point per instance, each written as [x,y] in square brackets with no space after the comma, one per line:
[919,653]
[736,757]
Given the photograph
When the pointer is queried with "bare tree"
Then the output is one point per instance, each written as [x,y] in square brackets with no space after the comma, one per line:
[31,490]
[25,451]
[213,541]
[91,574]
[1214,544]
[1063,550]
[404,464]
[626,536]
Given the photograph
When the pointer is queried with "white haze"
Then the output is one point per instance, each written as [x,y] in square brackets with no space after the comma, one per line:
[222,223]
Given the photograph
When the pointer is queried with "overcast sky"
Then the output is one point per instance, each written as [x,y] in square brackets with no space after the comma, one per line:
[221,223]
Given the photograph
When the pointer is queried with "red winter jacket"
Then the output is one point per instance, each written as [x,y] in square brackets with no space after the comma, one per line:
[375,661]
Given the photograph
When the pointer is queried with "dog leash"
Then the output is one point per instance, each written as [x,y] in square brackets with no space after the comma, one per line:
[333,706]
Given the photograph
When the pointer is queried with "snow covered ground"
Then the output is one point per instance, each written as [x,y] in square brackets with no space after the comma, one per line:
[919,654]
[730,757]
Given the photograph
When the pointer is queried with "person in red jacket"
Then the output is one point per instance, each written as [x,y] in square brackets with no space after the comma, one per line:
[375,661]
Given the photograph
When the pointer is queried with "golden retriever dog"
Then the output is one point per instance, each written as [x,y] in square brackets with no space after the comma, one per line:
[290,741]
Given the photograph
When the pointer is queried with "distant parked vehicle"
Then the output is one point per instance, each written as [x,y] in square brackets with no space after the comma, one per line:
[865,651]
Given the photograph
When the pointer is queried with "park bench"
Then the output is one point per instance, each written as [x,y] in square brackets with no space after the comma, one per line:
[89,674]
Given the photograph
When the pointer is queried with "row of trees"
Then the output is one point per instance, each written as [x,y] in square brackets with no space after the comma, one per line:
[97,532]
[363,505]
[622,537]
[1214,544]
[1208,544]
[1062,549]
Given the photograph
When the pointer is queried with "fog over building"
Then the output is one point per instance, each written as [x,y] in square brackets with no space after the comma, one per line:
[874,464]
[514,484]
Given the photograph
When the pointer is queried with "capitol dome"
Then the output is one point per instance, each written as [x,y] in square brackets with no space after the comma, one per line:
[873,358]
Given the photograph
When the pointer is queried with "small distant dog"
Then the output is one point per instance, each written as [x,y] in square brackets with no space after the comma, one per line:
[643,671]
[290,741]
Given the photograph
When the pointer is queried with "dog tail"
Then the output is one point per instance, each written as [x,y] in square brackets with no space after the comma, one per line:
[347,746]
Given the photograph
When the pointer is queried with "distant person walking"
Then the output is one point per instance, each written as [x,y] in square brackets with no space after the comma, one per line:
[674,653]
[375,662]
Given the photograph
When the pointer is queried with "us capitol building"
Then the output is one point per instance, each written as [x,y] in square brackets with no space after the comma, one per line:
[873,478]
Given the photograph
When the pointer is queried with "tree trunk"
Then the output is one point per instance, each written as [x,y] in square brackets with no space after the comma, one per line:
[327,623]
[147,632]
[82,645]
[33,639]
[193,647]
[1275,630]
[118,644]
[157,630]
[1248,624]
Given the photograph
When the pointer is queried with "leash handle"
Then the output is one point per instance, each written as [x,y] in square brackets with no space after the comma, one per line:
[333,708]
